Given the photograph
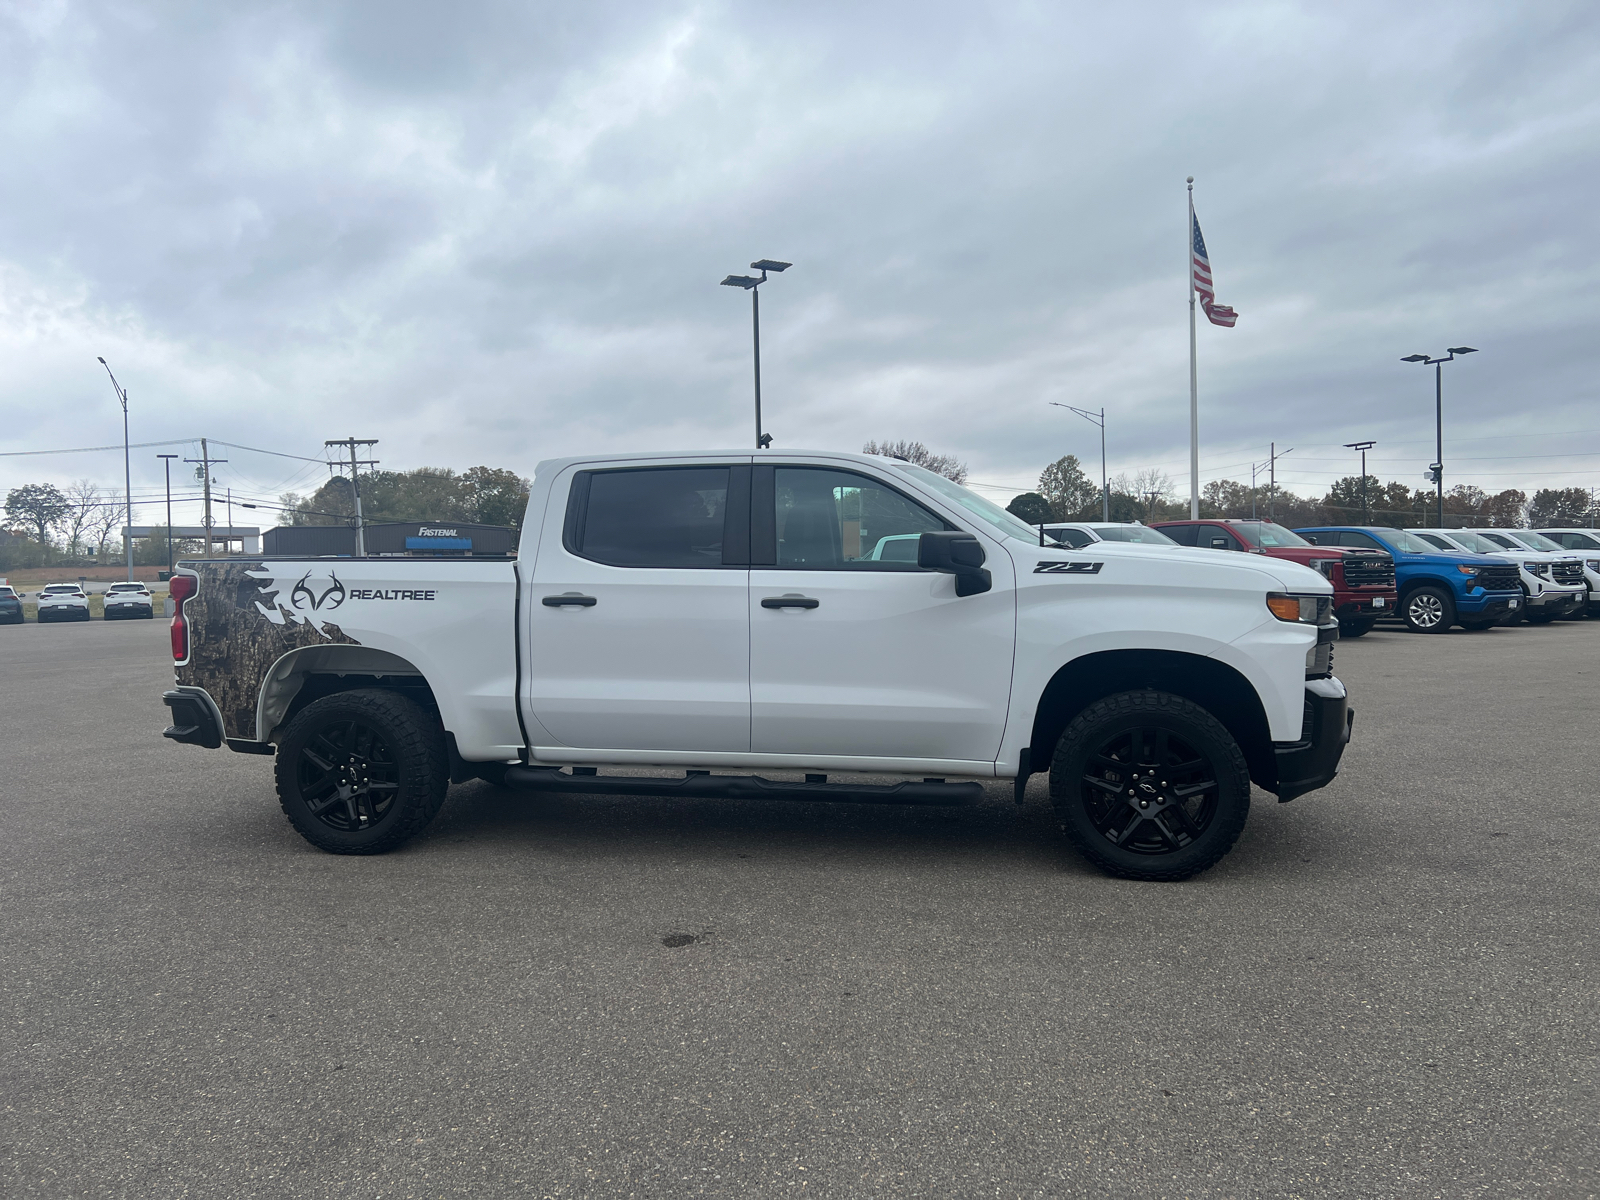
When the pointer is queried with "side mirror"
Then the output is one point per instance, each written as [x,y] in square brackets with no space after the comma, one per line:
[1312,538]
[955,553]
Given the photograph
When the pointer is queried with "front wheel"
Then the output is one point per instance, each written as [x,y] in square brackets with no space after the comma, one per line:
[1147,785]
[362,772]
[1428,610]
[1354,627]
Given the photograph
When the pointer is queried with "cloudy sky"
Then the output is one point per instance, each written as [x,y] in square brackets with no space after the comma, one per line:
[492,232]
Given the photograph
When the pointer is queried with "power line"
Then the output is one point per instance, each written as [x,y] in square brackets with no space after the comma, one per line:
[91,449]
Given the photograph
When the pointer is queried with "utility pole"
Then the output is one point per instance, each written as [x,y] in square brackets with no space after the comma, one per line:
[1366,514]
[127,469]
[168,465]
[230,520]
[1100,420]
[205,460]
[350,444]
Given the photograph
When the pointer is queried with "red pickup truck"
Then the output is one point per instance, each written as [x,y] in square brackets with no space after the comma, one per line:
[1363,580]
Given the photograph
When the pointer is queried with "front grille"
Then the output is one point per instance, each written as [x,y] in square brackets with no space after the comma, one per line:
[1368,570]
[1499,578]
[1569,573]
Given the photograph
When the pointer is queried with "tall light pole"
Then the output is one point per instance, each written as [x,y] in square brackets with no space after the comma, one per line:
[1105,488]
[1273,455]
[1436,467]
[127,470]
[168,465]
[753,285]
[1366,514]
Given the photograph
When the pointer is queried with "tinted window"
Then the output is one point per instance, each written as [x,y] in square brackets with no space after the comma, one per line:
[1184,535]
[1575,541]
[656,517]
[1433,539]
[1211,535]
[1076,538]
[1500,539]
[838,520]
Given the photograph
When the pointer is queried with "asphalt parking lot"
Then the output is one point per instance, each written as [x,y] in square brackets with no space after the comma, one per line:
[1388,989]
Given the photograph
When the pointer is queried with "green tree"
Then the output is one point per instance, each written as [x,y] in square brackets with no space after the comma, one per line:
[498,497]
[1561,506]
[1030,507]
[39,507]
[1068,490]
[1225,498]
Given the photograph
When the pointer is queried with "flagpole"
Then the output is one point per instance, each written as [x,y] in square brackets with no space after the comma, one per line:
[1194,379]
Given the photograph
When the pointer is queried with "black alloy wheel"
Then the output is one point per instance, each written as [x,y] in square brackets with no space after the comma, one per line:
[1150,786]
[1428,610]
[361,772]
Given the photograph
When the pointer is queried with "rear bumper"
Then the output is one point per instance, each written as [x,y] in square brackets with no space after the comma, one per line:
[195,720]
[1313,761]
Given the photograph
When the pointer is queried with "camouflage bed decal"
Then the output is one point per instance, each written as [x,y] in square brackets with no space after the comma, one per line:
[245,619]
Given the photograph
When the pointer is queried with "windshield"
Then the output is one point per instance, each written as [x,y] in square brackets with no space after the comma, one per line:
[1501,542]
[1409,543]
[1133,533]
[1267,533]
[1538,540]
[1471,541]
[986,510]
[1579,541]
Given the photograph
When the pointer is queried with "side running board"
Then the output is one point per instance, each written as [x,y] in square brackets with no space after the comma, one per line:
[704,785]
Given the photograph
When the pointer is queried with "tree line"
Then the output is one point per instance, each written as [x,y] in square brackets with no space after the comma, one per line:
[477,496]
[1065,493]
[46,524]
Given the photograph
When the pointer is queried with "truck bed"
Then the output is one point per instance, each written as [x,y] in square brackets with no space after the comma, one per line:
[261,630]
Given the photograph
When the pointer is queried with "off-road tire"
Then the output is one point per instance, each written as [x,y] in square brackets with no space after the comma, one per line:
[1428,609]
[1090,812]
[1354,627]
[402,743]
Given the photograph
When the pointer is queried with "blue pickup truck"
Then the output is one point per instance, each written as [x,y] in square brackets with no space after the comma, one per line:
[1436,590]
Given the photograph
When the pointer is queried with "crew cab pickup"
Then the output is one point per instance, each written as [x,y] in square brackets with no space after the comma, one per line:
[711,615]
[1362,578]
[1437,589]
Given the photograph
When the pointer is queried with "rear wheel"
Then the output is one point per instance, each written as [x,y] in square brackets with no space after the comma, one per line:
[1354,627]
[1428,610]
[362,772]
[1147,785]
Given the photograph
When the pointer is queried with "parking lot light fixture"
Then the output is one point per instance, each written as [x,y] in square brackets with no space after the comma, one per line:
[1366,516]
[752,284]
[127,469]
[1099,419]
[1436,467]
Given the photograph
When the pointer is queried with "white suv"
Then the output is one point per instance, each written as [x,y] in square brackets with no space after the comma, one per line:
[1552,583]
[63,602]
[129,600]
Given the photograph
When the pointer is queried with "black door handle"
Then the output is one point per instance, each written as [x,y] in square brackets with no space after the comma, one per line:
[566,598]
[790,602]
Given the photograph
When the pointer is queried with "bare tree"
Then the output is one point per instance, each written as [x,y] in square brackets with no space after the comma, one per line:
[108,519]
[916,453]
[84,499]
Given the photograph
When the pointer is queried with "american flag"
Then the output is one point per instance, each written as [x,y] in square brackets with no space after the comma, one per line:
[1217,314]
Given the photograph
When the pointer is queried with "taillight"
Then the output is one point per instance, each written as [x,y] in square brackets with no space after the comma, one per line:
[180,588]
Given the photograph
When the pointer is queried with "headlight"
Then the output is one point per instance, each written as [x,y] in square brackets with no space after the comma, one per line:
[1594,564]
[1325,565]
[1542,570]
[1473,571]
[1308,610]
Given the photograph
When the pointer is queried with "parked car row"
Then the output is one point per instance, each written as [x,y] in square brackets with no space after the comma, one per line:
[70,602]
[1432,579]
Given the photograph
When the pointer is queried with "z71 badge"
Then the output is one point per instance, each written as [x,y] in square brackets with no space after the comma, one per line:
[1068,568]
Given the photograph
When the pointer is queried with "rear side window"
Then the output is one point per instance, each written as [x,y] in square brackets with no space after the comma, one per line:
[1184,535]
[1362,541]
[650,517]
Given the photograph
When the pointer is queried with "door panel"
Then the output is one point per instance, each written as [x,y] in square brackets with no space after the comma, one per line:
[661,659]
[889,662]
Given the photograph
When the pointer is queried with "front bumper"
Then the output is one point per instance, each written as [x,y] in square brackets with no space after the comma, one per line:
[1362,604]
[1554,601]
[1313,761]
[1492,604]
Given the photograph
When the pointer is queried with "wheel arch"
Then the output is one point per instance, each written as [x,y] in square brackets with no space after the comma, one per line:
[1416,581]
[309,673]
[1217,687]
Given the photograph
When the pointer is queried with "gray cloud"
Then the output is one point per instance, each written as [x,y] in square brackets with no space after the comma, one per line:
[492,232]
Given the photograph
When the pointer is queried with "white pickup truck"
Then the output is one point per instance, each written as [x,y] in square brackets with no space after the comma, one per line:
[705,615]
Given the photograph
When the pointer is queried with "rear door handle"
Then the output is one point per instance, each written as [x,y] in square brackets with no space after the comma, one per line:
[577,599]
[791,601]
